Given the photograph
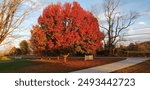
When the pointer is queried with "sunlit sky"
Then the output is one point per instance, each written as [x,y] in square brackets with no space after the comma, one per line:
[142,24]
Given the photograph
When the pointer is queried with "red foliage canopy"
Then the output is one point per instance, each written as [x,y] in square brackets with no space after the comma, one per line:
[66,26]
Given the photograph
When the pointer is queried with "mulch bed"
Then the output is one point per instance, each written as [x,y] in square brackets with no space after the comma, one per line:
[143,67]
[53,66]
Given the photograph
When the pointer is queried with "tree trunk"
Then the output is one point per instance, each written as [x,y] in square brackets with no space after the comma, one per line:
[65,57]
[57,57]
[110,51]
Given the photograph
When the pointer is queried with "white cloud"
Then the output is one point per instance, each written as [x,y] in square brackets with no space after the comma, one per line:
[142,23]
[145,13]
[32,3]
[101,17]
[130,31]
[141,34]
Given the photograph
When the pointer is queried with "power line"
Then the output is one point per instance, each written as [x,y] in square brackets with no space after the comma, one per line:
[143,28]
[126,35]
[136,34]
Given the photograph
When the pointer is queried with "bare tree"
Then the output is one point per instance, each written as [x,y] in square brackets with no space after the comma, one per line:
[115,23]
[12,15]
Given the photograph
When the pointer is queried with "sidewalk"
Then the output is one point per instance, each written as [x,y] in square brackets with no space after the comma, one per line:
[113,66]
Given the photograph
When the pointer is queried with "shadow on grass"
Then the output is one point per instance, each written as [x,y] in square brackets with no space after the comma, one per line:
[16,65]
[51,66]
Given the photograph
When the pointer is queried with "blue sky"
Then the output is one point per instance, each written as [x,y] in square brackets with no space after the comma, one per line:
[140,6]
[141,25]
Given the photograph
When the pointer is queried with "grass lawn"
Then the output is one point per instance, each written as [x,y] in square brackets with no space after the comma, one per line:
[51,66]
[143,67]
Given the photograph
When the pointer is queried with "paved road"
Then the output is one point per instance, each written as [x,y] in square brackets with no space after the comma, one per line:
[113,66]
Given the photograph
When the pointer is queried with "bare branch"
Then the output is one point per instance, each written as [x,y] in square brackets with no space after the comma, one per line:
[12,15]
[115,21]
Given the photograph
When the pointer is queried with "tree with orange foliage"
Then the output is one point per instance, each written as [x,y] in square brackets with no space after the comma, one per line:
[67,29]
